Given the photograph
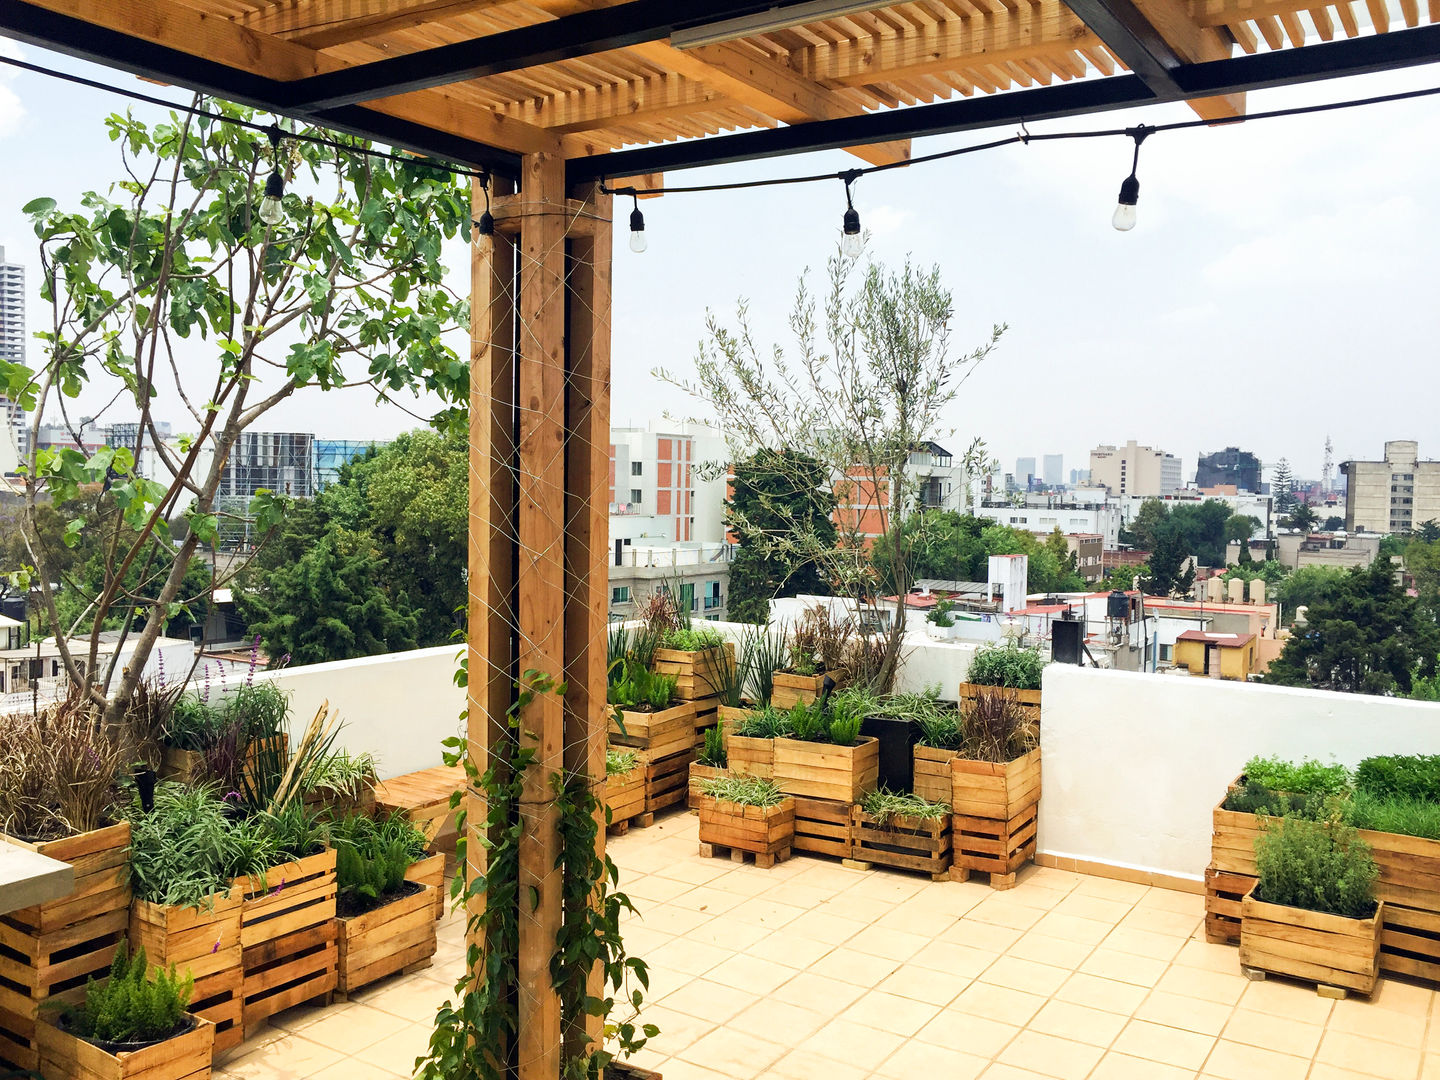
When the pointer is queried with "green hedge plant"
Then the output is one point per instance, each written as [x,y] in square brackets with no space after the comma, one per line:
[1006,665]
[1317,865]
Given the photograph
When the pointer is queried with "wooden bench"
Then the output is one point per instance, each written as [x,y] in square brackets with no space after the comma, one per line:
[424,797]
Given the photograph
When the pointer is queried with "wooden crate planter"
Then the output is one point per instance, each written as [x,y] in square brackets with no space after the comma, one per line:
[660,734]
[707,715]
[1028,700]
[698,775]
[181,765]
[1223,893]
[1232,839]
[827,771]
[697,674]
[186,1056]
[341,803]
[932,774]
[996,807]
[1410,942]
[1409,884]
[287,935]
[625,798]
[749,756]
[905,843]
[205,942]
[50,949]
[398,936]
[431,871]
[667,782]
[1331,951]
[424,798]
[729,715]
[789,689]
[766,832]
[822,827]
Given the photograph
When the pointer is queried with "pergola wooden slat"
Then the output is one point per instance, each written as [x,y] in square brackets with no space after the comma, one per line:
[551,96]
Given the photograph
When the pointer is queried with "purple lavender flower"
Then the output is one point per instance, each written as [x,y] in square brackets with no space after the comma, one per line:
[276,891]
[205,697]
[231,795]
[160,666]
[216,947]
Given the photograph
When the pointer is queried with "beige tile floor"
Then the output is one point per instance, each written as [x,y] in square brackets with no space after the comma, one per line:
[810,971]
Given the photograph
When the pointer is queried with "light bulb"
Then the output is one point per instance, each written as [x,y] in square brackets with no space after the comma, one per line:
[1124,219]
[486,224]
[852,243]
[271,209]
[637,231]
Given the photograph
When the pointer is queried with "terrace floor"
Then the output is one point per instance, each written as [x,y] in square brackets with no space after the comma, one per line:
[810,971]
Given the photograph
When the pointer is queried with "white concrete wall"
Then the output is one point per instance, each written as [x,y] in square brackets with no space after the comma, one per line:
[397,707]
[1133,764]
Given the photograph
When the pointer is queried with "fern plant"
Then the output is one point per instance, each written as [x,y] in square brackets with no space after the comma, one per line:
[130,1007]
[713,755]
[371,857]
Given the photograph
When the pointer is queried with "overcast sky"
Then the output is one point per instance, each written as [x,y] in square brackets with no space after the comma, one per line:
[1280,285]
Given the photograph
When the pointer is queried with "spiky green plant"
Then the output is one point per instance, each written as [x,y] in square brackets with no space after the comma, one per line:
[743,791]
[129,1006]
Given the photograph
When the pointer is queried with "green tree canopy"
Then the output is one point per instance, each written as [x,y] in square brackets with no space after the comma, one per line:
[1364,635]
[957,547]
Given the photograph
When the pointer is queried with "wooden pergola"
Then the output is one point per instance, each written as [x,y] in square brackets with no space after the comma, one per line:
[552,97]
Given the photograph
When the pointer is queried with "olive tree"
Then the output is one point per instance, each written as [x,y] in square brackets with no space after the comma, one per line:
[868,383]
[178,287]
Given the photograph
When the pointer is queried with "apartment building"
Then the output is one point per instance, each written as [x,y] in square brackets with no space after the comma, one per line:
[1394,495]
[1101,520]
[655,471]
[1134,470]
[1231,467]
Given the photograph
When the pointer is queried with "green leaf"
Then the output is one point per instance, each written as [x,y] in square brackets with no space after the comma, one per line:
[38,207]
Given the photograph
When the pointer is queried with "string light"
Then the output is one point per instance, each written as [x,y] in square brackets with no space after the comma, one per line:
[272,209]
[852,243]
[637,226]
[486,224]
[1124,217]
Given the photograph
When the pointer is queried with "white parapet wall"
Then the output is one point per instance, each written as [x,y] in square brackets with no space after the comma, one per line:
[398,707]
[1133,764]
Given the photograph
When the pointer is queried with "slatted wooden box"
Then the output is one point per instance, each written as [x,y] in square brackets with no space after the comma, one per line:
[1223,894]
[822,827]
[697,674]
[398,936]
[827,771]
[660,734]
[1028,700]
[187,1056]
[996,809]
[50,949]
[206,942]
[667,780]
[902,842]
[698,775]
[998,791]
[1232,841]
[707,715]
[625,796]
[287,935]
[749,756]
[1329,950]
[789,689]
[431,871]
[768,832]
[933,780]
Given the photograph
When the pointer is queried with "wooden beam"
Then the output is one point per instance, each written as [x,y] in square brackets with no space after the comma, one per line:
[186,29]
[540,601]
[1194,44]
[596,108]
[324,24]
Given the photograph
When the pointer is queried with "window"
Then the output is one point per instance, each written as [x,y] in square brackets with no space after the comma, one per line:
[1167,652]
[687,596]
[637,468]
[620,594]
[637,495]
[712,595]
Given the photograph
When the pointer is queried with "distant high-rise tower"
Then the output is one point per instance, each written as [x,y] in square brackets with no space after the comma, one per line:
[12,341]
[1052,469]
[1024,472]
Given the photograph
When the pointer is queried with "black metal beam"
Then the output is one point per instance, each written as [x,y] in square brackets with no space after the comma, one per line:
[75,37]
[1260,71]
[588,32]
[1131,37]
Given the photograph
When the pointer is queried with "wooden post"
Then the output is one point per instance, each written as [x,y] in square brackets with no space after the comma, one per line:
[539,454]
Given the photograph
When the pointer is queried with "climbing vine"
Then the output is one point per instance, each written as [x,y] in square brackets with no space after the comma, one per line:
[476,1029]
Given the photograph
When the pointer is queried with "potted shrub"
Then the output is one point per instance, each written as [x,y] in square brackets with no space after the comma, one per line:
[745,813]
[824,756]
[624,788]
[697,659]
[818,647]
[750,744]
[133,1024]
[386,922]
[901,830]
[59,797]
[1313,914]
[1011,666]
[995,789]
[939,623]
[645,714]
[711,765]
[342,784]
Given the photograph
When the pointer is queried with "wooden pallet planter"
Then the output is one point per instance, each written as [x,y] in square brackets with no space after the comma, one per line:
[996,808]
[206,942]
[697,674]
[270,752]
[904,843]
[424,798]
[822,827]
[660,734]
[994,790]
[827,771]
[181,765]
[1232,838]
[1028,700]
[397,936]
[339,804]
[186,1056]
[1223,892]
[766,832]
[431,871]
[707,715]
[749,756]
[667,781]
[287,935]
[789,689]
[932,774]
[729,715]
[51,949]
[1332,951]
[625,799]
[1409,884]
[698,775]
[1410,942]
